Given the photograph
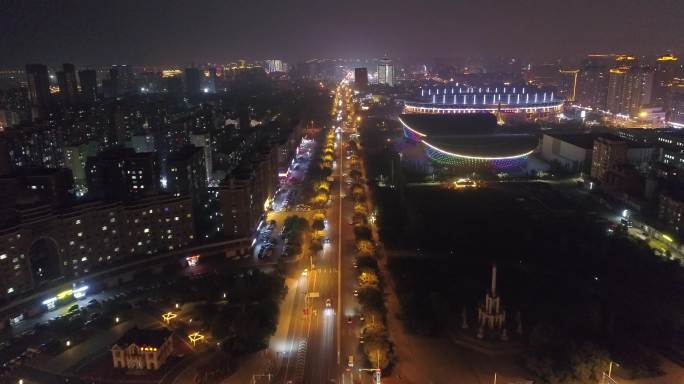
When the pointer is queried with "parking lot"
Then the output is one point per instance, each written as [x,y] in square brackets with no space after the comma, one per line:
[37,340]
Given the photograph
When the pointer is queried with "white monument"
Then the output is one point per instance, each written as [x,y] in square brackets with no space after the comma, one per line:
[491,317]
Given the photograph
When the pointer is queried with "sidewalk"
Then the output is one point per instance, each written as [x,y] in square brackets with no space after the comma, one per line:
[265,361]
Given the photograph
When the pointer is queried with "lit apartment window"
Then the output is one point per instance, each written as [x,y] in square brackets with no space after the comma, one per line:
[10,290]
[78,221]
[147,230]
[84,258]
[104,227]
[3,256]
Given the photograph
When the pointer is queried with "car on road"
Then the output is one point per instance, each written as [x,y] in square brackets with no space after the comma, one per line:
[328,303]
[361,317]
[356,292]
[305,273]
[349,319]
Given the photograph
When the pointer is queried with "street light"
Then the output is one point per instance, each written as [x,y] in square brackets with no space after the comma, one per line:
[610,368]
[168,316]
[68,343]
[116,320]
[195,337]
[610,372]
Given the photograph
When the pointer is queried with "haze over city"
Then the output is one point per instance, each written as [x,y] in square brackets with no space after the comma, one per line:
[166,32]
[357,192]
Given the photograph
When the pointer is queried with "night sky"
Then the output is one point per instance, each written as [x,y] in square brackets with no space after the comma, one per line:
[178,31]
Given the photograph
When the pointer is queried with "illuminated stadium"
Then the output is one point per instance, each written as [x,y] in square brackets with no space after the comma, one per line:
[505,101]
[468,141]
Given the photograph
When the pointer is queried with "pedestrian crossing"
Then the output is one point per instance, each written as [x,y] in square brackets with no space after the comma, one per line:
[300,362]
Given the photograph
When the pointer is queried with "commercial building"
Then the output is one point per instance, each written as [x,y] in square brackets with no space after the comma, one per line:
[274,65]
[507,102]
[467,141]
[38,90]
[143,349]
[361,78]
[386,72]
[570,151]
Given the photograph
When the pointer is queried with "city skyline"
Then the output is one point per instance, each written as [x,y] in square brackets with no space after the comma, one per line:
[361,192]
[159,33]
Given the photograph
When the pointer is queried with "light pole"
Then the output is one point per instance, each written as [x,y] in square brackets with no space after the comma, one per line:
[610,368]
[610,372]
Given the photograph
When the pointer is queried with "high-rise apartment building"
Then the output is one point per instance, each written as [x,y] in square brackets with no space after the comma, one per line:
[121,174]
[629,89]
[38,82]
[361,78]
[48,243]
[676,103]
[193,82]
[68,84]
[666,69]
[123,79]
[592,80]
[608,153]
[88,81]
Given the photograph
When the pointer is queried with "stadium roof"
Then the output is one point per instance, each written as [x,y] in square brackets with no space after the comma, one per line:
[484,146]
[447,124]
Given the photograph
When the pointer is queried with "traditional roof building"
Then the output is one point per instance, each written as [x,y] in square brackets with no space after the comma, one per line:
[143,349]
